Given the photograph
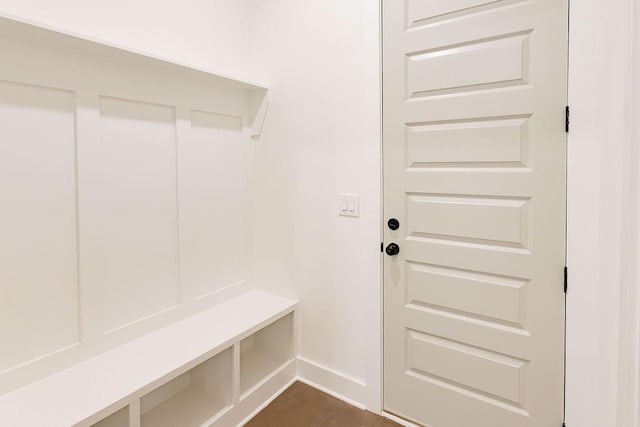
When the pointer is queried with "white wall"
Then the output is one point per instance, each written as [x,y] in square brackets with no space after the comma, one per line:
[207,33]
[322,137]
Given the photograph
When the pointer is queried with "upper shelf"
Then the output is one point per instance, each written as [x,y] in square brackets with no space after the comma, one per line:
[23,27]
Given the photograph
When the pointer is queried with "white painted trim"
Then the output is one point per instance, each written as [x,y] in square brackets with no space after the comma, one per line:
[399,420]
[259,101]
[134,413]
[374,310]
[336,384]
[629,350]
[603,327]
[327,381]
[634,398]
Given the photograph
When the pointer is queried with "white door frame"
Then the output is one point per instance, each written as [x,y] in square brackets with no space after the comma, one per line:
[603,320]
[603,193]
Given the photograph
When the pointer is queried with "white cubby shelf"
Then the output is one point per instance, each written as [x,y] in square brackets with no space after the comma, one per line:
[215,368]
[265,352]
[194,398]
[117,419]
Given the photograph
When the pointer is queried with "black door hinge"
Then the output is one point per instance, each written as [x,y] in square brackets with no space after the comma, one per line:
[566,119]
[566,278]
[381,246]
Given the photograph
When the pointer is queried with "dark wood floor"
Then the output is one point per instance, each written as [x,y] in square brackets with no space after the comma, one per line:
[304,406]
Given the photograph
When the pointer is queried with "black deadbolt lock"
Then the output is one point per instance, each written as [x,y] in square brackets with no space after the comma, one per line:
[393,224]
[392,249]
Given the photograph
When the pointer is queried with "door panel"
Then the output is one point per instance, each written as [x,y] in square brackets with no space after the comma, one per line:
[474,165]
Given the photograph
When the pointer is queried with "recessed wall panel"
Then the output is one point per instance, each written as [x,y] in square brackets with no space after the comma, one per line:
[130,251]
[478,66]
[38,272]
[211,197]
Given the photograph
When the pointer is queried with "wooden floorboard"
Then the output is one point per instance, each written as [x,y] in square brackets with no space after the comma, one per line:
[304,406]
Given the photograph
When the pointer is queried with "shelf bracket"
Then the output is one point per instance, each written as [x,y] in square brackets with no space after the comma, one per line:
[259,101]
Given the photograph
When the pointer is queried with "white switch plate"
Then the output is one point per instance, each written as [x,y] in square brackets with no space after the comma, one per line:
[348,204]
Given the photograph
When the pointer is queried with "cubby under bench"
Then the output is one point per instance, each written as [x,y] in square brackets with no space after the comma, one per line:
[216,368]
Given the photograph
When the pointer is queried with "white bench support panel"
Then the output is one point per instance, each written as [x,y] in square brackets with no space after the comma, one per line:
[90,391]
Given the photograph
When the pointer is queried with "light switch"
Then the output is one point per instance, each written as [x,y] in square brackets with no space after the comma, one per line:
[349,204]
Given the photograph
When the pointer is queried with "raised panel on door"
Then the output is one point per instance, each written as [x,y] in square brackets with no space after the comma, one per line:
[500,142]
[129,217]
[38,284]
[493,297]
[468,67]
[210,206]
[474,153]
[421,12]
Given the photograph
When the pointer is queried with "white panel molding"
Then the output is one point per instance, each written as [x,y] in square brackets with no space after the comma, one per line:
[210,163]
[129,230]
[93,73]
[338,385]
[38,278]
[87,129]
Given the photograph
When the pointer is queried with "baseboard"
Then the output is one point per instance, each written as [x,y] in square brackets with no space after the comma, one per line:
[334,383]
[399,420]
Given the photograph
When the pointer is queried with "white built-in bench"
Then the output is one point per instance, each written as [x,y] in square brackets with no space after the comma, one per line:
[215,368]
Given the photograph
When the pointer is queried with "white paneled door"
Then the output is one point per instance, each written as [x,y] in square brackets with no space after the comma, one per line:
[474,179]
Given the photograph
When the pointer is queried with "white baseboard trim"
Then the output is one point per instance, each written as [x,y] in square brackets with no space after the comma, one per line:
[338,385]
[349,390]
[399,420]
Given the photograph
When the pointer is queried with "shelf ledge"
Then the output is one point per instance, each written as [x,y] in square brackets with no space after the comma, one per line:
[14,25]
